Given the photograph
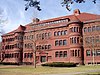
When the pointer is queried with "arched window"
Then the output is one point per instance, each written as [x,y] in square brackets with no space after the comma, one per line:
[60,54]
[89,29]
[65,32]
[64,42]
[77,29]
[77,39]
[49,46]
[56,43]
[88,52]
[75,52]
[58,33]
[55,33]
[97,28]
[57,54]
[65,54]
[43,36]
[70,40]
[85,29]
[78,53]
[93,28]
[74,40]
[60,42]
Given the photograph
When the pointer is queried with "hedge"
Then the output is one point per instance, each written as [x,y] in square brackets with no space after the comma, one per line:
[9,63]
[59,64]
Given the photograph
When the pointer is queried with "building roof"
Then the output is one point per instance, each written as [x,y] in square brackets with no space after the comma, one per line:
[76,16]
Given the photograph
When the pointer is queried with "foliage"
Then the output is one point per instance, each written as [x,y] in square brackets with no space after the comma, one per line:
[59,64]
[9,63]
[31,3]
[67,3]
[2,21]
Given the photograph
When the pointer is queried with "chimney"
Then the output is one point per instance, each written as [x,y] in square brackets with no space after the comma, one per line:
[35,20]
[76,12]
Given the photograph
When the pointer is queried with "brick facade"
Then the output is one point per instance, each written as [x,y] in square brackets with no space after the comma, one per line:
[74,38]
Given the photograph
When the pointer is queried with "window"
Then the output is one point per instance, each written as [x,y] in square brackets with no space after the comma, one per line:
[46,47]
[89,29]
[65,32]
[74,40]
[87,40]
[55,33]
[94,52]
[75,29]
[60,54]
[77,39]
[40,47]
[49,46]
[43,36]
[88,53]
[49,34]
[98,52]
[46,35]
[57,54]
[85,29]
[25,55]
[97,39]
[58,33]
[65,54]
[97,28]
[62,32]
[56,43]
[72,52]
[75,52]
[64,42]
[60,42]
[43,47]
[72,29]
[78,53]
[93,28]
[31,55]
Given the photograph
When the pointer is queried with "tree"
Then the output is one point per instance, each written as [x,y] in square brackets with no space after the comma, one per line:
[66,3]
[92,40]
[2,21]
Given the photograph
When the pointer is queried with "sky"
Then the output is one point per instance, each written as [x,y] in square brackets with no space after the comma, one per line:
[14,11]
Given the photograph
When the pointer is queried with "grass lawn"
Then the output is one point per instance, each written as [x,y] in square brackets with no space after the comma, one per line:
[30,70]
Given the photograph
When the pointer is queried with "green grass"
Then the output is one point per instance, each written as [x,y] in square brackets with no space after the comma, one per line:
[30,70]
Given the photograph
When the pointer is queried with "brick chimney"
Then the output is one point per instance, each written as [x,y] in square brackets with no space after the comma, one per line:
[35,20]
[76,12]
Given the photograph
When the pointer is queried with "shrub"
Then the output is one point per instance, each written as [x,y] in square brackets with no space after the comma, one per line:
[59,64]
[9,63]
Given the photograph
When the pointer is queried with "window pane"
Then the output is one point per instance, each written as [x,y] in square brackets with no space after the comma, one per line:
[88,53]
[65,53]
[64,42]
[85,29]
[61,54]
[56,43]
[60,42]
[55,33]
[56,54]
[93,28]
[65,32]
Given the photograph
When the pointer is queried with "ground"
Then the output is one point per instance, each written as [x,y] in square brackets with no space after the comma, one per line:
[30,70]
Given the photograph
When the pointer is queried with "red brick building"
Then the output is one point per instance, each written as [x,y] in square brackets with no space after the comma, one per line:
[73,38]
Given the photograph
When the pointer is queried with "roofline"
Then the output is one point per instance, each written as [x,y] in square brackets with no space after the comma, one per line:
[96,20]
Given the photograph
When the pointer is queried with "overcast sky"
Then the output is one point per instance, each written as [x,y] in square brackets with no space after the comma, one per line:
[14,11]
